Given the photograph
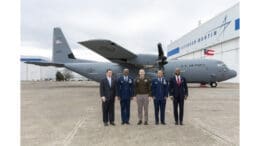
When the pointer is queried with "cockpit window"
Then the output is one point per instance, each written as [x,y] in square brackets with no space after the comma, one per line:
[220,64]
[223,66]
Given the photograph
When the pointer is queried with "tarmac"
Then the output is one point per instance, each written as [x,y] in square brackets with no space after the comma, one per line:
[69,114]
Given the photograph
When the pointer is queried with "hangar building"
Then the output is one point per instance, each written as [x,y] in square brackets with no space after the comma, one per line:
[218,39]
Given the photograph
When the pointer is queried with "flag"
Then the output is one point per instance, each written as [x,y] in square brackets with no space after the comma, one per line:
[209,52]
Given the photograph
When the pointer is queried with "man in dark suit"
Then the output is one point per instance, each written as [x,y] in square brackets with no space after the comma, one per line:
[178,90]
[108,92]
[159,94]
[125,88]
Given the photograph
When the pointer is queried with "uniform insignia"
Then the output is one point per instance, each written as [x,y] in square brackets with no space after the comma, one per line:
[130,81]
[164,82]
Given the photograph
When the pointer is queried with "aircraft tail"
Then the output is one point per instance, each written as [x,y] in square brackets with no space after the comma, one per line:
[61,50]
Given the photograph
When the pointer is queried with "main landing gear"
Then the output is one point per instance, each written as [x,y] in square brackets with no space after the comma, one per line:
[213,84]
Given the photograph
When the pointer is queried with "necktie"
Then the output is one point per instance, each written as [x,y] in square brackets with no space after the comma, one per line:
[178,81]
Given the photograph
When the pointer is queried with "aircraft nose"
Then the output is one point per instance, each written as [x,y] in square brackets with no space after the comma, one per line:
[232,73]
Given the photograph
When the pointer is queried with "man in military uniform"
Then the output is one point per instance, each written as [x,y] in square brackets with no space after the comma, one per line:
[159,94]
[125,93]
[178,90]
[142,94]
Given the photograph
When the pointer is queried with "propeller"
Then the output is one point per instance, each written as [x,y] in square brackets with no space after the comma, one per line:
[161,58]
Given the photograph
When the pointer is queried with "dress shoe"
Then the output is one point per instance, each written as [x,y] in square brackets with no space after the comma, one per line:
[156,123]
[113,124]
[139,122]
[145,123]
[122,123]
[181,123]
[127,123]
[105,124]
[163,123]
[176,123]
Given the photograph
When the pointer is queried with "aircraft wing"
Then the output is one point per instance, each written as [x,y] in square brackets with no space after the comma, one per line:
[109,50]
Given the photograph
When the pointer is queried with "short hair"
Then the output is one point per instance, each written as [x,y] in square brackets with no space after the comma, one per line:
[160,70]
[177,68]
[141,69]
[109,70]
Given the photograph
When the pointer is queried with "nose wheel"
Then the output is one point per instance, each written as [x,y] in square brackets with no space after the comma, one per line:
[213,84]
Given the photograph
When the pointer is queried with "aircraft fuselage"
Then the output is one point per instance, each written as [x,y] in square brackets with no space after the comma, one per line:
[194,70]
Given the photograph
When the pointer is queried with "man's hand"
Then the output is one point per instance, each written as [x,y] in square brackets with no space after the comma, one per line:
[171,97]
[132,97]
[103,98]
[185,97]
[165,97]
[118,97]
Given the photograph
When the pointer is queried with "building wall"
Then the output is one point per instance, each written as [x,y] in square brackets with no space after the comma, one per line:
[30,72]
[220,34]
[34,72]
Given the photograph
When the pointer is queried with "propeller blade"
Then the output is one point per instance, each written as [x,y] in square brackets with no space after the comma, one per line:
[160,50]
[161,58]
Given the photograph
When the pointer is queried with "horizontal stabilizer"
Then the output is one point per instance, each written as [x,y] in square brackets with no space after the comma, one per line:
[45,64]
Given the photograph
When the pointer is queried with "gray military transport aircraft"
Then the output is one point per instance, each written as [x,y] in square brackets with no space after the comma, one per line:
[203,71]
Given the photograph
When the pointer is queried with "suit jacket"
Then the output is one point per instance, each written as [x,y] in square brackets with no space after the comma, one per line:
[106,90]
[159,89]
[125,88]
[178,91]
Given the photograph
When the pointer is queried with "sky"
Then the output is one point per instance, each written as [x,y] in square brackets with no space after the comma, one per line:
[137,25]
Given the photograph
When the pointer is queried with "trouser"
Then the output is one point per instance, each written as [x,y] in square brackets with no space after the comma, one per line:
[159,105]
[108,108]
[125,110]
[178,103]
[142,103]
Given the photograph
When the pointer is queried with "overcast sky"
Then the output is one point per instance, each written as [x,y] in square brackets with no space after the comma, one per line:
[137,25]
